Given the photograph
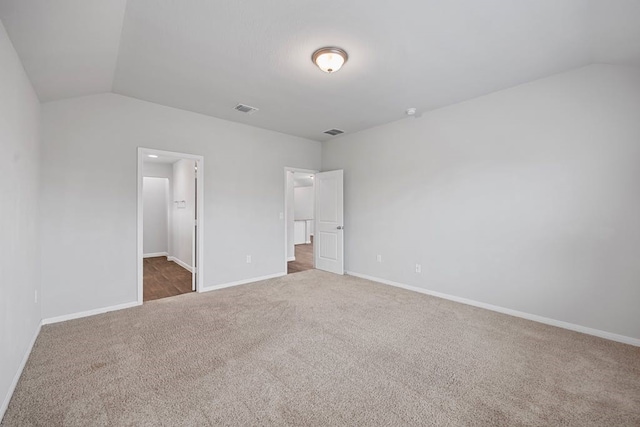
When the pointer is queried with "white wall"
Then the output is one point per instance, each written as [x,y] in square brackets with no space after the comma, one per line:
[162,170]
[243,195]
[528,199]
[304,202]
[19,249]
[183,214]
[300,232]
[158,170]
[155,201]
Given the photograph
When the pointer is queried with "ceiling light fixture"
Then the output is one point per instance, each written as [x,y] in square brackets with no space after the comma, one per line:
[153,156]
[329,59]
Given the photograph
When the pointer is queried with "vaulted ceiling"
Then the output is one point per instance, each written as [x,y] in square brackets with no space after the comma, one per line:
[207,56]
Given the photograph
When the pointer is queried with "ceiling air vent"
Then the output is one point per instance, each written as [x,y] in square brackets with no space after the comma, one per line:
[245,108]
[333,132]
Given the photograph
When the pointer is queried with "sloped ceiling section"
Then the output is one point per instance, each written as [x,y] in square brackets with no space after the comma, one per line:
[616,31]
[207,56]
[68,48]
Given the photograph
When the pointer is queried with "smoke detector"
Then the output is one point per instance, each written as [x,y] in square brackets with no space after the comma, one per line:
[411,111]
[245,108]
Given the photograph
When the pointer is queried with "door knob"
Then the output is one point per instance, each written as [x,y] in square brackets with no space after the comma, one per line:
[340,227]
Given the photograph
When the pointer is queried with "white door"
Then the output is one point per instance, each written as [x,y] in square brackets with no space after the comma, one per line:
[329,226]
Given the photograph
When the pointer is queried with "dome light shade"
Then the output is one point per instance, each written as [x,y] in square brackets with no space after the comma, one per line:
[329,59]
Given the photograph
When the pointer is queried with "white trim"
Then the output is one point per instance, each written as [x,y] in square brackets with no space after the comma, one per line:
[140,241]
[291,259]
[88,313]
[534,317]
[142,152]
[242,282]
[180,263]
[155,254]
[16,377]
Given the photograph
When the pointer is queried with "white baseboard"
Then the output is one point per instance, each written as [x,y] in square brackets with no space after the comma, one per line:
[241,282]
[180,263]
[88,313]
[155,254]
[291,258]
[534,317]
[16,377]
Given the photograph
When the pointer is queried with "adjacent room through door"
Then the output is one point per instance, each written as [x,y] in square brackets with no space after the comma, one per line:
[300,221]
[169,189]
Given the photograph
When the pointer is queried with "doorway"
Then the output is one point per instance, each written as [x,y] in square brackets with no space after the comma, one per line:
[300,219]
[169,223]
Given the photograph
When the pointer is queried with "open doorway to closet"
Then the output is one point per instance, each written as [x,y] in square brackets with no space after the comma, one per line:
[169,224]
[300,212]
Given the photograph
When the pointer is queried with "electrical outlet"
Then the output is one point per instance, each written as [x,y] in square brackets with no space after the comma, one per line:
[35,296]
[248,259]
[379,258]
[418,268]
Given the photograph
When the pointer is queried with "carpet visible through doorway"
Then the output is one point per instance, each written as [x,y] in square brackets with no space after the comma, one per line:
[314,348]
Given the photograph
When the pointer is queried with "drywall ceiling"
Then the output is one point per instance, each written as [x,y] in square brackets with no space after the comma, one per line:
[301,179]
[616,31]
[68,48]
[206,56]
[161,159]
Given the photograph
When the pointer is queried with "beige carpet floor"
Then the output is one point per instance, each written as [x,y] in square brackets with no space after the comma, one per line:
[318,349]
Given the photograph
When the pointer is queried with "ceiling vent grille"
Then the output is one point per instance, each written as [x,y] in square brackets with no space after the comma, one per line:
[333,132]
[245,108]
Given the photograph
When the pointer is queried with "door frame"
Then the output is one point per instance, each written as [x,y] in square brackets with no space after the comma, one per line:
[286,202]
[142,153]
